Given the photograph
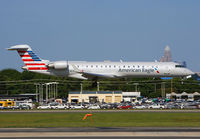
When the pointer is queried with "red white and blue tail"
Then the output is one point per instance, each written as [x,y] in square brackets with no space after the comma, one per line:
[31,60]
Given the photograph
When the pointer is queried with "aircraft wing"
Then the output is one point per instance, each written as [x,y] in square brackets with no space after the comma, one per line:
[92,75]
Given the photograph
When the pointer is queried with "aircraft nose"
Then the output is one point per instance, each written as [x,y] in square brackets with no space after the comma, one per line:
[189,72]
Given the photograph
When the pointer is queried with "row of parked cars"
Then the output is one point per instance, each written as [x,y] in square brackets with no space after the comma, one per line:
[11,104]
[127,105]
[67,106]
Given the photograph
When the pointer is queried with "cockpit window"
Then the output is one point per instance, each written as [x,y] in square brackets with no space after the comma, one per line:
[179,66]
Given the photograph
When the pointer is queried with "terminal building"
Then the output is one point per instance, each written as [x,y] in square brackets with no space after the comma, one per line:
[184,95]
[102,96]
[130,96]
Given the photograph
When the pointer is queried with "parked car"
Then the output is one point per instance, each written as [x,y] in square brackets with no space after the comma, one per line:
[139,107]
[113,106]
[44,107]
[104,106]
[60,107]
[77,107]
[24,107]
[124,107]
[170,106]
[15,107]
[191,106]
[94,107]
[156,106]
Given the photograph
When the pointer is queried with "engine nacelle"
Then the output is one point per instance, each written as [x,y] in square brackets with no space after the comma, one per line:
[58,65]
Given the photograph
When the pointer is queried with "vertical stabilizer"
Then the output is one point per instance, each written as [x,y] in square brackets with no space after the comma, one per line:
[31,60]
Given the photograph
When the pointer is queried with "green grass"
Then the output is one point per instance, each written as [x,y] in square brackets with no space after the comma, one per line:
[143,119]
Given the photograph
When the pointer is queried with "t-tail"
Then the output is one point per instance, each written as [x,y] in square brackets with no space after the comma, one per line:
[31,60]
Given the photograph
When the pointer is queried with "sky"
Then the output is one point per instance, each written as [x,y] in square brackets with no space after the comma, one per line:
[98,30]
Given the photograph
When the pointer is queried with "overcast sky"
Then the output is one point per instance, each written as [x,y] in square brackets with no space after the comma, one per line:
[98,30]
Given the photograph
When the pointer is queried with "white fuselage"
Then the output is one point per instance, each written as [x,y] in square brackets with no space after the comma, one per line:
[121,69]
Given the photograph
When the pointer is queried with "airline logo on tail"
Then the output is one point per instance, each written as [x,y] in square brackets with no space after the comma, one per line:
[30,59]
[157,70]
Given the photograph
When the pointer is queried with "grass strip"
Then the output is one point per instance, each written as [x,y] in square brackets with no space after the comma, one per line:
[143,119]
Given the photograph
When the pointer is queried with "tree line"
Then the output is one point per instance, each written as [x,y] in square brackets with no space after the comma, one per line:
[15,82]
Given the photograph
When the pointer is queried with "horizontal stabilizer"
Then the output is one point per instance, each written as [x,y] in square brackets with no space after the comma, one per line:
[20,47]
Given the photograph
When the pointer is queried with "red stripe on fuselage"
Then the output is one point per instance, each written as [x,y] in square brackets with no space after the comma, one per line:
[38,68]
[27,59]
[33,64]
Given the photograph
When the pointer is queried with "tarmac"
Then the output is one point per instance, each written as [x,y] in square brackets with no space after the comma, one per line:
[102,132]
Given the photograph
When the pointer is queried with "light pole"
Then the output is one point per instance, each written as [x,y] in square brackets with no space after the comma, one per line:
[171,85]
[47,92]
[81,92]
[97,86]
[48,89]
[55,89]
[163,89]
[136,84]
[37,85]
[41,93]
[36,93]
[56,93]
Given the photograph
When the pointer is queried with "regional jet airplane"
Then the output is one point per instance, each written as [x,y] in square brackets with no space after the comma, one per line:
[94,70]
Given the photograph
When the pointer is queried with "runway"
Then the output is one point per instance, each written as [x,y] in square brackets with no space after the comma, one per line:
[103,129]
[98,111]
[101,132]
[106,138]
